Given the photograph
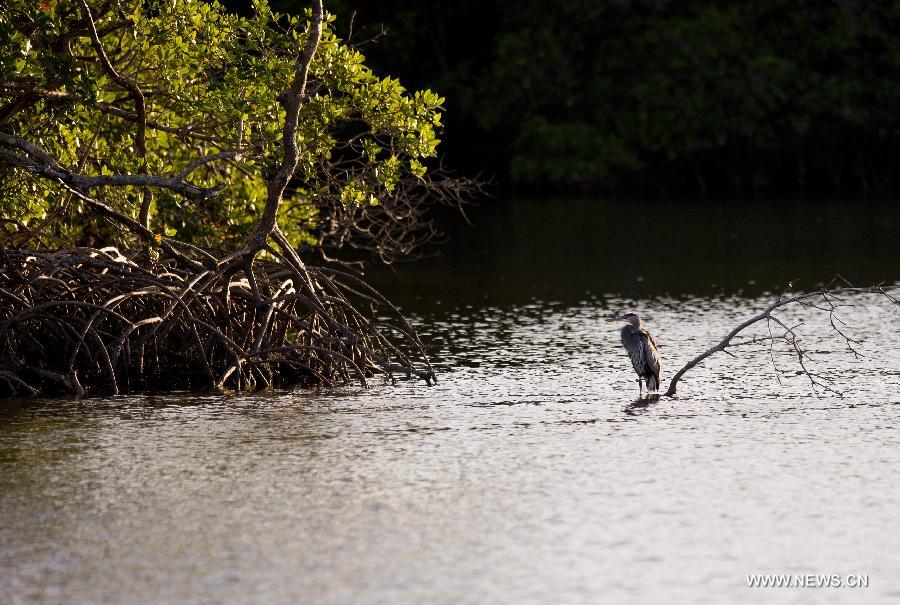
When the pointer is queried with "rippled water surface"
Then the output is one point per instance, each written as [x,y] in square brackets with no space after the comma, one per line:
[529,474]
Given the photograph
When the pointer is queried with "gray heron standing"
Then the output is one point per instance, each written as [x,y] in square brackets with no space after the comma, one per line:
[642,349]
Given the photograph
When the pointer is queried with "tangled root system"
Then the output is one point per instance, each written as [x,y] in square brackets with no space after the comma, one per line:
[91,321]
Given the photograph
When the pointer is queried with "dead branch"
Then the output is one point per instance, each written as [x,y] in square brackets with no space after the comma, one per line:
[400,225]
[825,300]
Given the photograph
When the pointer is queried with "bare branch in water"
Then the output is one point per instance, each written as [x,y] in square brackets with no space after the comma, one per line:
[826,300]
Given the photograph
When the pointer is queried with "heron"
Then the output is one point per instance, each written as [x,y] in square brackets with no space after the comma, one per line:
[641,348]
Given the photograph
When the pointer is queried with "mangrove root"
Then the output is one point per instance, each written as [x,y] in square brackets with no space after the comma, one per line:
[90,321]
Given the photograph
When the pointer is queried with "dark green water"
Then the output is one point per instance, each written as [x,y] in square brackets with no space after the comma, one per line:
[529,474]
[567,250]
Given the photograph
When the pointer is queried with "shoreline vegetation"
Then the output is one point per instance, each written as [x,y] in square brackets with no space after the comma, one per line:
[163,166]
[85,321]
[652,97]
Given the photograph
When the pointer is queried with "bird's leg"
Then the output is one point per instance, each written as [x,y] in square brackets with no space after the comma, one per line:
[640,386]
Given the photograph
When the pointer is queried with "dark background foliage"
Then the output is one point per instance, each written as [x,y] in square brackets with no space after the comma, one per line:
[651,95]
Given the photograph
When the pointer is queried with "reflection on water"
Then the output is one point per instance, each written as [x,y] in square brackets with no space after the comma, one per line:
[529,474]
[568,250]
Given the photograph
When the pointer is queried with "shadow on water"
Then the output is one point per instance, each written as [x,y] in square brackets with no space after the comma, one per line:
[571,250]
[640,406]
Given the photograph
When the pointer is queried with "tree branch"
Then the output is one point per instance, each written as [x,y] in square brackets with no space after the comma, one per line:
[140,108]
[132,225]
[213,157]
[789,335]
[292,100]
[140,105]
[32,90]
[40,163]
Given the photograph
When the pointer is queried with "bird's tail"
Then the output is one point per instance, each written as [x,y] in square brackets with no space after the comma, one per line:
[652,382]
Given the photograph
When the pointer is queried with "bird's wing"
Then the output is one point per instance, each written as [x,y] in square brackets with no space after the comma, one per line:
[637,350]
[651,353]
[652,340]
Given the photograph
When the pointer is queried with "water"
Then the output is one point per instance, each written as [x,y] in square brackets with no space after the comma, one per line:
[529,474]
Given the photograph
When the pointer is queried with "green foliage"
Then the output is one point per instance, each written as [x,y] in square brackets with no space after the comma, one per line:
[211,80]
[617,85]
[581,92]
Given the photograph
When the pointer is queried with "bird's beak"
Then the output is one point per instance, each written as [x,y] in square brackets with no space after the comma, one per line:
[613,320]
